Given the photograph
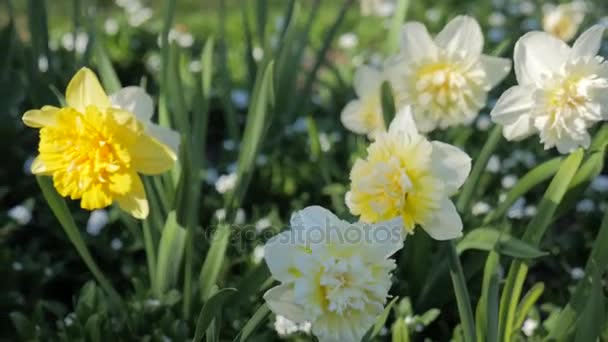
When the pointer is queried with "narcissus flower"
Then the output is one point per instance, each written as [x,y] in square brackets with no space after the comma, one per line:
[446,79]
[94,149]
[561,91]
[407,176]
[563,20]
[334,274]
[364,115]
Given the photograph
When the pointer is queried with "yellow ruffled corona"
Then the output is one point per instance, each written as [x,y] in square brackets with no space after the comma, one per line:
[94,151]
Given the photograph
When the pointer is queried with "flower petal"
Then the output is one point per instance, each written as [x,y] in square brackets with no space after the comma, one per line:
[512,110]
[367,80]
[461,34]
[38,167]
[445,224]
[314,218]
[403,123]
[135,202]
[165,135]
[536,54]
[84,90]
[388,237]
[496,68]
[416,42]
[135,100]
[151,157]
[351,118]
[38,118]
[280,254]
[589,42]
[451,164]
[280,299]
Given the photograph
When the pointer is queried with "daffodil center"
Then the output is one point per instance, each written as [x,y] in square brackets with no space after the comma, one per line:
[342,291]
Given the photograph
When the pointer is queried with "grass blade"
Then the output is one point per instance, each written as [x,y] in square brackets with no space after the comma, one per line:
[170,253]
[214,260]
[254,322]
[212,307]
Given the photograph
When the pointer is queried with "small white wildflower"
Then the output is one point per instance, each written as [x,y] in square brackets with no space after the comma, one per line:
[67,41]
[324,142]
[483,122]
[526,7]
[480,208]
[508,181]
[517,209]
[530,210]
[43,64]
[261,160]
[577,273]
[195,66]
[497,19]
[21,214]
[97,221]
[240,98]
[17,266]
[152,303]
[116,244]
[240,216]
[111,26]
[502,197]
[220,214]
[226,183]
[585,206]
[348,41]
[493,164]
[285,327]
[262,224]
[138,18]
[258,53]
[409,320]
[529,326]
[48,271]
[258,254]
[82,41]
[153,63]
[211,175]
[69,320]
[433,14]
[600,184]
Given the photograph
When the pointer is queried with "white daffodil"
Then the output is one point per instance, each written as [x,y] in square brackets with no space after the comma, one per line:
[334,274]
[563,20]
[408,177]
[561,91]
[446,79]
[135,100]
[364,115]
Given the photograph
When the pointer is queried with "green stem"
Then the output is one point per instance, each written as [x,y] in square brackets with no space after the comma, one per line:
[469,188]
[462,295]
[150,252]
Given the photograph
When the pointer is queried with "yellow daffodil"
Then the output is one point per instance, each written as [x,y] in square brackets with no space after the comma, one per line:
[94,150]
[334,274]
[563,20]
[409,177]
[562,91]
[446,79]
[364,115]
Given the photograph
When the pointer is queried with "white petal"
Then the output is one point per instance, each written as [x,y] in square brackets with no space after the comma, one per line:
[165,135]
[451,164]
[280,300]
[461,34]
[536,54]
[589,42]
[367,80]
[514,103]
[520,129]
[135,100]
[403,123]
[351,118]
[496,68]
[445,224]
[416,42]
[280,253]
[313,217]
[387,237]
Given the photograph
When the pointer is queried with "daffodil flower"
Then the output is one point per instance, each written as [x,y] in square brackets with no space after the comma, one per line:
[562,91]
[364,115]
[446,80]
[563,20]
[95,148]
[334,274]
[406,176]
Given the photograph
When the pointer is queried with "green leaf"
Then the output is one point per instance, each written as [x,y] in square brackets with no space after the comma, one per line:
[531,179]
[392,43]
[400,331]
[533,234]
[254,322]
[471,185]
[25,328]
[589,324]
[486,315]
[108,76]
[388,103]
[170,253]
[93,328]
[214,260]
[212,307]
[380,322]
[462,295]
[530,298]
[488,239]
[63,215]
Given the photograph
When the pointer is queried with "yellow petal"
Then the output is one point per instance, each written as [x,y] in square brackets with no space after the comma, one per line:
[38,167]
[38,118]
[85,90]
[95,198]
[135,202]
[151,157]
